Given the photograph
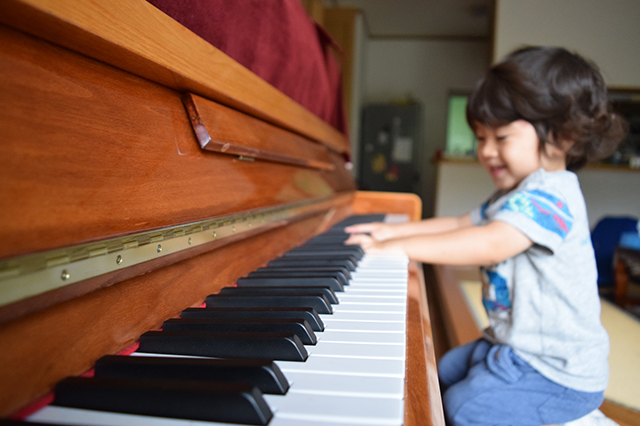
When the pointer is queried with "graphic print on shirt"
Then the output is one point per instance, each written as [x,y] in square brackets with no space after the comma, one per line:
[547,210]
[496,297]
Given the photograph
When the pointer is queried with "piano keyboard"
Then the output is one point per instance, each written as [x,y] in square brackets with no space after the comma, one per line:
[350,373]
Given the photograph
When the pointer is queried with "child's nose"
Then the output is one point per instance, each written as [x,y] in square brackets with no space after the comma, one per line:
[488,148]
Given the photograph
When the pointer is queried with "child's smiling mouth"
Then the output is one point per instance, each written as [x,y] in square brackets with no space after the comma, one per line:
[496,170]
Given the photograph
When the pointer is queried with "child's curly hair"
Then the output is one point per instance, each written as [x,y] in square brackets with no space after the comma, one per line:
[560,93]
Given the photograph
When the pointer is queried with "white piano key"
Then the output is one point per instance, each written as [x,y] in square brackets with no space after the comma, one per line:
[351,297]
[370,307]
[379,271]
[344,314]
[342,384]
[377,284]
[375,291]
[360,325]
[349,366]
[363,336]
[293,421]
[337,408]
[358,350]
[78,416]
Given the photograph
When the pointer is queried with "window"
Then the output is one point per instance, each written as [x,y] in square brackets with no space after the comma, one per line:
[460,139]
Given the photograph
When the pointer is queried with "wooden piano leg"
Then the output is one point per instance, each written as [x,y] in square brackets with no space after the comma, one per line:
[621,284]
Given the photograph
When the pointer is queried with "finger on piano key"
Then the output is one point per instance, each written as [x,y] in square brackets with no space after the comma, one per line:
[207,401]
[319,302]
[261,290]
[301,328]
[308,314]
[264,374]
[283,346]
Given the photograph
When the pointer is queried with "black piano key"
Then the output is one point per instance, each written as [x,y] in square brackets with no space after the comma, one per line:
[317,302]
[322,249]
[216,402]
[308,314]
[298,273]
[334,269]
[298,327]
[305,261]
[264,374]
[327,254]
[360,218]
[333,238]
[277,346]
[12,422]
[270,281]
[260,290]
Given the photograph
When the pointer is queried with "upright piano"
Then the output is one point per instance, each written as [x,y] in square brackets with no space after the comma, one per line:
[143,170]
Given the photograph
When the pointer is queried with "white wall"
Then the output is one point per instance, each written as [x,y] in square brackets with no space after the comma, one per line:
[606,31]
[425,71]
[463,186]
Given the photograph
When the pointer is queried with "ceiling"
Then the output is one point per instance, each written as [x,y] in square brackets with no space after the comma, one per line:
[423,18]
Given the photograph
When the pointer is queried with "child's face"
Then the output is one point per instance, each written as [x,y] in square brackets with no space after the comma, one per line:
[509,153]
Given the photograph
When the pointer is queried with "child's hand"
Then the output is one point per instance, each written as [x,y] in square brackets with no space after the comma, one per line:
[371,246]
[379,231]
[367,243]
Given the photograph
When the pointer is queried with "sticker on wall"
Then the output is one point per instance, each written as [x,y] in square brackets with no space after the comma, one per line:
[402,149]
[392,174]
[379,164]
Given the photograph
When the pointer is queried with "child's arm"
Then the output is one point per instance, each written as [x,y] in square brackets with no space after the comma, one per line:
[384,231]
[471,245]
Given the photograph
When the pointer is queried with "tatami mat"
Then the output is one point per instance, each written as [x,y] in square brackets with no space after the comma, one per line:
[624,360]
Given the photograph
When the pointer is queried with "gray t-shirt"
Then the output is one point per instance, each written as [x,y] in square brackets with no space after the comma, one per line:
[544,301]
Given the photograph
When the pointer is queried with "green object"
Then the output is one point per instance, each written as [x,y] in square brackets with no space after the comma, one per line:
[460,138]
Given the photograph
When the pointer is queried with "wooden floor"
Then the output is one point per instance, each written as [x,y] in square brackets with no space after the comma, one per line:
[453,324]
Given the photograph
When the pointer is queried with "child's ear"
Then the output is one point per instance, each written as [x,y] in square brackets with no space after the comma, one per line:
[560,148]
[554,156]
[566,145]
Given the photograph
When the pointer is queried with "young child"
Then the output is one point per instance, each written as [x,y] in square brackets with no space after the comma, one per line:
[538,115]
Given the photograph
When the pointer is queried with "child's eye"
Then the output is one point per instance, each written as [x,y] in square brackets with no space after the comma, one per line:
[501,138]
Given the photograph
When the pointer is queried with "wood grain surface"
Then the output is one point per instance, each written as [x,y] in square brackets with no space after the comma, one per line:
[136,37]
[90,151]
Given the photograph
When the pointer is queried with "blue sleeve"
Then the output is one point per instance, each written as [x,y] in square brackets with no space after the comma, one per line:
[542,216]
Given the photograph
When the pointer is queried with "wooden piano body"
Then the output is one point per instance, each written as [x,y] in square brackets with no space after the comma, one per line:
[106,107]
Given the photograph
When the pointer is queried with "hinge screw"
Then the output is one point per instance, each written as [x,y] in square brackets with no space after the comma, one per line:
[65,275]
[119,260]
[159,249]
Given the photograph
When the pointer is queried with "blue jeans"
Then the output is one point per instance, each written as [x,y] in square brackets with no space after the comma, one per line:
[484,384]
